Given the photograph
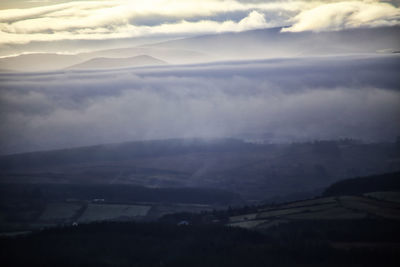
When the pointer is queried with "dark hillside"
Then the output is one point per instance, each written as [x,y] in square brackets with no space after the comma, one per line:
[255,171]
[361,185]
[118,152]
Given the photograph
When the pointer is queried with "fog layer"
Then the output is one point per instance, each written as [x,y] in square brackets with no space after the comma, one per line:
[294,99]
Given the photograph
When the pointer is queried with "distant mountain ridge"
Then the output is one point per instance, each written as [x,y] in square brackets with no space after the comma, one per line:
[38,62]
[253,44]
[110,63]
[171,55]
[272,43]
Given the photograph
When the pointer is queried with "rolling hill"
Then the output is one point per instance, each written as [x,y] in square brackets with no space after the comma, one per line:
[256,171]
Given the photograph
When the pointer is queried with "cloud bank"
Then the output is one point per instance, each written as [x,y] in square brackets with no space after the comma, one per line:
[100,20]
[345,15]
[298,99]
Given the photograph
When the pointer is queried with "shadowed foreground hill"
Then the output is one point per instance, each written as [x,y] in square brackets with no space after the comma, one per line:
[330,231]
[155,244]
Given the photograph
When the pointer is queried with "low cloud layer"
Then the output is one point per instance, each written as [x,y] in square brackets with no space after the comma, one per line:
[101,20]
[299,99]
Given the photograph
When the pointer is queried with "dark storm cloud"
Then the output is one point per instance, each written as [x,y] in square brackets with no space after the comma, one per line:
[302,98]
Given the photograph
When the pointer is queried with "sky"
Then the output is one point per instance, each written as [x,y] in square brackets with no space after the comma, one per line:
[23,23]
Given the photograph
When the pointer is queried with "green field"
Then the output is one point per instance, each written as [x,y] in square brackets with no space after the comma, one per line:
[59,211]
[244,217]
[248,224]
[103,212]
[386,196]
[373,207]
[328,208]
[337,213]
[311,202]
[284,210]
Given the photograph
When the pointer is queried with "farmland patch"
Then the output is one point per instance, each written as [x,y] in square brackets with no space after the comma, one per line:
[99,212]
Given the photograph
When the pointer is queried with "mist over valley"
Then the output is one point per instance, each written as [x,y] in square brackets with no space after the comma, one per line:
[199,133]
